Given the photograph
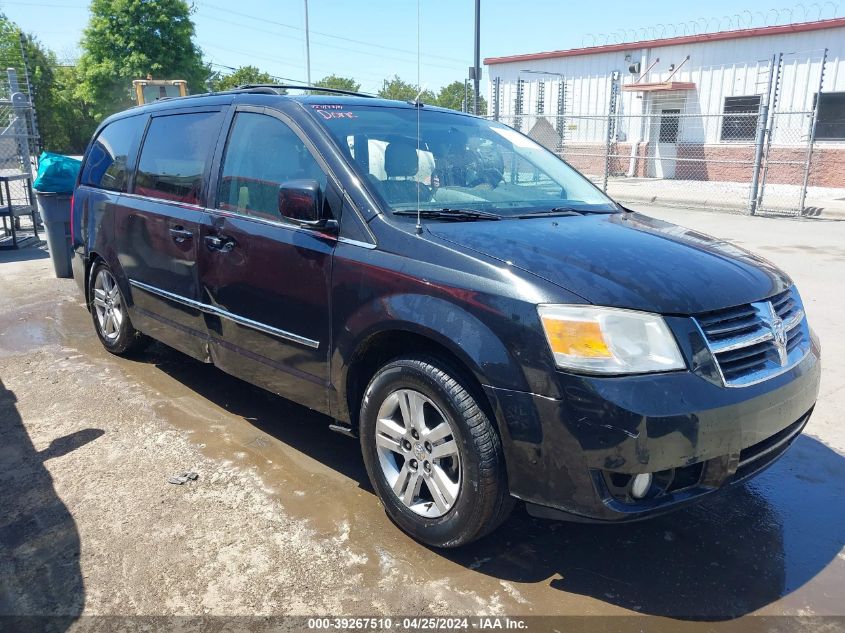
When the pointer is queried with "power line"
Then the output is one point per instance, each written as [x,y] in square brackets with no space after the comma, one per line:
[265,20]
[323,44]
[287,62]
[51,6]
[274,77]
[292,27]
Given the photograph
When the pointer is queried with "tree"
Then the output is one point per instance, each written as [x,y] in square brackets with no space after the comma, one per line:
[41,67]
[73,121]
[63,122]
[133,39]
[338,83]
[402,91]
[239,77]
[452,96]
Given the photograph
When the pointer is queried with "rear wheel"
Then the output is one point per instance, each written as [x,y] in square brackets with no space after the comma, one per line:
[432,454]
[108,309]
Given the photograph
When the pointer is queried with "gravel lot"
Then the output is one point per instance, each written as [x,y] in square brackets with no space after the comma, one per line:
[282,520]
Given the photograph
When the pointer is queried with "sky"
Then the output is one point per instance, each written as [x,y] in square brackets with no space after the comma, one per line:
[374,39]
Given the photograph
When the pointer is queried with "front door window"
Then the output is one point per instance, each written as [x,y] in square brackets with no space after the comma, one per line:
[262,154]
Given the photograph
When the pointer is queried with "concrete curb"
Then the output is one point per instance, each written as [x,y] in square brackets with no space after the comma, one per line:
[818,209]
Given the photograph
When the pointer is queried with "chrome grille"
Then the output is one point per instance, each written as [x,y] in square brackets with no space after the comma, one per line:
[759,340]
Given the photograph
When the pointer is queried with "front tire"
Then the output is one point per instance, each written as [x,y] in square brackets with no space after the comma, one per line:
[432,454]
[108,309]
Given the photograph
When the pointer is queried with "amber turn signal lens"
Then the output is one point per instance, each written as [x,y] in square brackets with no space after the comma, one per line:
[603,340]
[576,338]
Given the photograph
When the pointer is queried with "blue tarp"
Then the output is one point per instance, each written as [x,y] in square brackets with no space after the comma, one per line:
[56,173]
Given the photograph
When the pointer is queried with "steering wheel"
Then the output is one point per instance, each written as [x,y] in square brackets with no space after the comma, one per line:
[489,176]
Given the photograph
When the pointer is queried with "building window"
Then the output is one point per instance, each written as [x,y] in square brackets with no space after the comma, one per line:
[740,118]
[670,123]
[831,122]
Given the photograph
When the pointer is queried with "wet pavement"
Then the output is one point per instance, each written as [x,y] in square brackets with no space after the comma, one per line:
[283,519]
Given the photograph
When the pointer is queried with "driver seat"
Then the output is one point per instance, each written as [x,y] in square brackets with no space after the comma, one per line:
[401,164]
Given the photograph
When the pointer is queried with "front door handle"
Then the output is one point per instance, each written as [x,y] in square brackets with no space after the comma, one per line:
[180,234]
[219,243]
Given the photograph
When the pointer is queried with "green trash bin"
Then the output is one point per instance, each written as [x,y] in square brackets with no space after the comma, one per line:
[55,213]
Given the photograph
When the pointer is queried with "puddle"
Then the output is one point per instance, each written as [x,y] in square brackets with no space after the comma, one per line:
[36,325]
[769,547]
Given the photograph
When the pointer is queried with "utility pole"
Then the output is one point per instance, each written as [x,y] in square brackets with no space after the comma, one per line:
[307,47]
[476,70]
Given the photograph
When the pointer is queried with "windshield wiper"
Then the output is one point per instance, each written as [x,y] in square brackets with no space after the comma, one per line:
[448,213]
[561,211]
[555,211]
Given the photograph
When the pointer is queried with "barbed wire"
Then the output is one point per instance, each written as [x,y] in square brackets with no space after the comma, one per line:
[745,19]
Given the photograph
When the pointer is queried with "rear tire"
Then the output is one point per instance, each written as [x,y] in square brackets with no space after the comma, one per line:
[108,310]
[431,453]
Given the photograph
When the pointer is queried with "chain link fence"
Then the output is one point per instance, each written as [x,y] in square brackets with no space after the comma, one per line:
[753,155]
[19,145]
[19,138]
[699,159]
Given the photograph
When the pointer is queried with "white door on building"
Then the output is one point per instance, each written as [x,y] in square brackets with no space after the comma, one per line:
[665,130]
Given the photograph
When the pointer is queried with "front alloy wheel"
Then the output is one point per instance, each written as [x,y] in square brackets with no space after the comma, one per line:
[432,454]
[417,453]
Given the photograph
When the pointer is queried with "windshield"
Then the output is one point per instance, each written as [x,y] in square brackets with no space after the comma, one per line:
[455,162]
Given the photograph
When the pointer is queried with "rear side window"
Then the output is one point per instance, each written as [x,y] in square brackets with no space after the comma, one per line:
[173,159]
[262,153]
[106,165]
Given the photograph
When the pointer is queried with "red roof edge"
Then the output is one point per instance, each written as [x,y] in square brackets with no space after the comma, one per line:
[672,41]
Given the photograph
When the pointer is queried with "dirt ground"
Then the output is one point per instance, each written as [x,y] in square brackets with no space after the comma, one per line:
[282,520]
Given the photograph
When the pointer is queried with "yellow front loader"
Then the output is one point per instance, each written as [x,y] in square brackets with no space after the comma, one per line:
[149,90]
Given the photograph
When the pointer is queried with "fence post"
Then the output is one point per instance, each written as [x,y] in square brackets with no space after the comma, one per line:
[30,89]
[611,125]
[770,129]
[541,97]
[20,106]
[760,142]
[520,95]
[561,106]
[812,138]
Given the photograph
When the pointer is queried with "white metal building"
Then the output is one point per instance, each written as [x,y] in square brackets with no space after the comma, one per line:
[699,94]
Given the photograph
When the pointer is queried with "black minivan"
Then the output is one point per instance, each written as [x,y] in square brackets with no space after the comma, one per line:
[490,324]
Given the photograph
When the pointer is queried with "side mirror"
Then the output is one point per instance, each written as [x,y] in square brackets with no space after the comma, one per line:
[301,201]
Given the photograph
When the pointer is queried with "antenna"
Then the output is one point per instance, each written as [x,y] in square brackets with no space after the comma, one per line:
[307,47]
[417,100]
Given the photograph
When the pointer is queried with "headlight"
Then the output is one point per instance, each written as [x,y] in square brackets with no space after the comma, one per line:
[609,340]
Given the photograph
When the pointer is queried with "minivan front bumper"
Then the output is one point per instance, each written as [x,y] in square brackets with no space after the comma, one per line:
[575,456]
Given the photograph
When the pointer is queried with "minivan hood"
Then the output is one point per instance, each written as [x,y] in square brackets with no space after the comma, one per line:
[624,260]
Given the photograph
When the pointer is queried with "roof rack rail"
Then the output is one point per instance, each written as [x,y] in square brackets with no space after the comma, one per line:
[272,88]
[262,90]
[253,89]
[269,89]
